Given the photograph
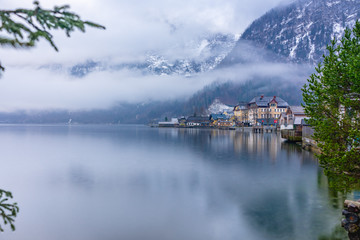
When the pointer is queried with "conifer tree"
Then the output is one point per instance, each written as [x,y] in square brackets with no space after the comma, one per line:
[332,101]
[25,27]
[8,211]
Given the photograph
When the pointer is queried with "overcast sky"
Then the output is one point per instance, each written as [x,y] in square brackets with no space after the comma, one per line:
[133,28]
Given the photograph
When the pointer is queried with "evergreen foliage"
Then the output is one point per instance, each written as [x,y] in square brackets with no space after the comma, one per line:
[24,27]
[332,101]
[8,211]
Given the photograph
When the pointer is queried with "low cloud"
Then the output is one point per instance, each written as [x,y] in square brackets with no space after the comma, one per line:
[133,29]
[24,88]
[29,89]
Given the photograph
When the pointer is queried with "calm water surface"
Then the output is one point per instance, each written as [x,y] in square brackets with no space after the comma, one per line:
[139,183]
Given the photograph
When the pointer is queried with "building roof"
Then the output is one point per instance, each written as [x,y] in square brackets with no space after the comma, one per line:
[197,119]
[304,122]
[297,110]
[298,120]
[240,107]
[218,116]
[168,123]
[263,101]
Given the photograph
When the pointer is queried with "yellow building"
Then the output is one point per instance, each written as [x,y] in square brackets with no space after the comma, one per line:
[261,110]
[241,113]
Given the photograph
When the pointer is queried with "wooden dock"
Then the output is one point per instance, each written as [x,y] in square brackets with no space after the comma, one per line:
[262,129]
[291,135]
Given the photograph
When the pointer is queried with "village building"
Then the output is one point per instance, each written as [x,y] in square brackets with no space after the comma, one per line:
[283,119]
[215,118]
[292,117]
[182,121]
[292,123]
[172,123]
[241,114]
[224,123]
[261,111]
[197,121]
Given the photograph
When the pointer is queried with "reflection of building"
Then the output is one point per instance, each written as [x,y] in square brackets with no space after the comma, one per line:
[257,143]
[261,110]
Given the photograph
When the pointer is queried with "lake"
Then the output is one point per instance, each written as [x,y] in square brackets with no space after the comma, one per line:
[132,182]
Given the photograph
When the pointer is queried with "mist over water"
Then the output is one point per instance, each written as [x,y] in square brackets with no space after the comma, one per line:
[133,183]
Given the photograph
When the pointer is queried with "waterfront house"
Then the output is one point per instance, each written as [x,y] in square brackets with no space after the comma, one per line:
[308,141]
[197,121]
[292,123]
[261,110]
[182,121]
[292,118]
[283,119]
[241,114]
[172,123]
[214,118]
[224,123]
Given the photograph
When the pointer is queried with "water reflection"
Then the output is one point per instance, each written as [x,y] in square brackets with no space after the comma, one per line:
[133,182]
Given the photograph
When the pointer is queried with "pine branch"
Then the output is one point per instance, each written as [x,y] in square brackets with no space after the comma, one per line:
[8,211]
[24,27]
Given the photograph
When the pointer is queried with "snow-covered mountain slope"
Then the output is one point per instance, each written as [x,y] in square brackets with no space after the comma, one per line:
[204,54]
[301,30]
[218,107]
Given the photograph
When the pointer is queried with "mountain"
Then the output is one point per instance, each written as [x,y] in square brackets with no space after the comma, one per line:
[204,54]
[213,97]
[207,53]
[298,32]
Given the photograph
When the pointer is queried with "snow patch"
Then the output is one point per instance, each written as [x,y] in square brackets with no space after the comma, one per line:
[203,45]
[293,49]
[218,107]
[338,30]
[330,4]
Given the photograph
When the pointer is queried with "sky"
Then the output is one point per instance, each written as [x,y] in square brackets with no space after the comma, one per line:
[133,28]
